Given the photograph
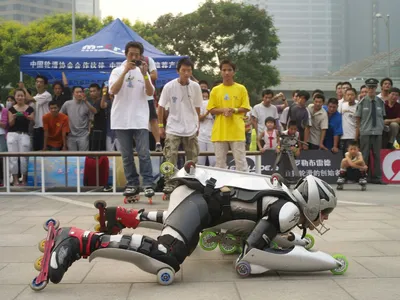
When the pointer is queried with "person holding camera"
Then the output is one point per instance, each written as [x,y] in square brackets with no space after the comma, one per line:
[131,85]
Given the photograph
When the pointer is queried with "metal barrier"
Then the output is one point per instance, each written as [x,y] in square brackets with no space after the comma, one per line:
[42,154]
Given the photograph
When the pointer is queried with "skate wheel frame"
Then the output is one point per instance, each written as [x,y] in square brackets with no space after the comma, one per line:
[42,263]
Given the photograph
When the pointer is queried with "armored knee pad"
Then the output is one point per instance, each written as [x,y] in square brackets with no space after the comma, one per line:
[175,254]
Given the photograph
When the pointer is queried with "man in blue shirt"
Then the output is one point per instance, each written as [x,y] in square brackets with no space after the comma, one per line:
[335,129]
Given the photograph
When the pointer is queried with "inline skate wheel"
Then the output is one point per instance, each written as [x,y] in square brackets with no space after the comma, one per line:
[38,264]
[167,168]
[310,241]
[243,269]
[56,224]
[37,287]
[226,248]
[150,201]
[100,204]
[205,244]
[97,217]
[165,197]
[344,264]
[165,276]
[41,245]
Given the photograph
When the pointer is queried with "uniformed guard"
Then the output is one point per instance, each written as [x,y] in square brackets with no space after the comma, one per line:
[370,115]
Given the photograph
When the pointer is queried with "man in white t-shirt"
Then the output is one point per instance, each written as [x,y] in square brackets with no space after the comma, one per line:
[183,98]
[348,110]
[131,85]
[265,109]
[40,104]
[345,86]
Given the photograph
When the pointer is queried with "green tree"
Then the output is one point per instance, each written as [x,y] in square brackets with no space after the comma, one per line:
[41,35]
[217,30]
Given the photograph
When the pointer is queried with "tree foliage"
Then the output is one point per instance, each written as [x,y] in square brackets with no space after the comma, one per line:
[216,30]
[223,29]
[48,33]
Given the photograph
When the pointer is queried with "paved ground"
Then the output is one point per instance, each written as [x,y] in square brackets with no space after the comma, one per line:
[365,228]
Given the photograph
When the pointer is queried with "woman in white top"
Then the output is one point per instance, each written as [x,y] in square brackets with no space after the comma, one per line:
[206,125]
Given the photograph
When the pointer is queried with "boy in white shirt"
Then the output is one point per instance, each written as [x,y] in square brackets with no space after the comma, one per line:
[206,125]
[348,109]
[183,98]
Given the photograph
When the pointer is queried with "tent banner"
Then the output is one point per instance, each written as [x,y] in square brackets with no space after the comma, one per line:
[82,64]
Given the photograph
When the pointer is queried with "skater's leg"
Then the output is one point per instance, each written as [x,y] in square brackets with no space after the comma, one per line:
[125,139]
[118,218]
[141,137]
[178,239]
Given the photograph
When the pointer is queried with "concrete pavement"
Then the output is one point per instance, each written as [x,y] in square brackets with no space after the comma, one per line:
[365,228]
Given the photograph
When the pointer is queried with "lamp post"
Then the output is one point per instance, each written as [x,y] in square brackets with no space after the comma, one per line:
[387,23]
[73,20]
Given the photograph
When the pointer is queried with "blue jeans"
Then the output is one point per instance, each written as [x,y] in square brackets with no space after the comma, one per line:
[141,137]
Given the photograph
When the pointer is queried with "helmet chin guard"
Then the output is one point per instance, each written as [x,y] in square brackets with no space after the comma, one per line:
[321,230]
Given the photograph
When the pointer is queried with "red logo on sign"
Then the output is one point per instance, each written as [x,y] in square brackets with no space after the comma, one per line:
[390,161]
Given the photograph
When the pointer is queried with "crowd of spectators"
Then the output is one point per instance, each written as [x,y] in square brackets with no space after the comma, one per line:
[190,115]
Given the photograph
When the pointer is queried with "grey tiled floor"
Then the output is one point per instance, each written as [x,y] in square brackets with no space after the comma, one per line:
[365,228]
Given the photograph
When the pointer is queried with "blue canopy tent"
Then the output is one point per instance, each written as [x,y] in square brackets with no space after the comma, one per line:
[91,60]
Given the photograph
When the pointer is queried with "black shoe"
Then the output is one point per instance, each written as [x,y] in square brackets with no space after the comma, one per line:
[64,253]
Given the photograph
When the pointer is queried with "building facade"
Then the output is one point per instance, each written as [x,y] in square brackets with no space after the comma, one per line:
[25,11]
[321,36]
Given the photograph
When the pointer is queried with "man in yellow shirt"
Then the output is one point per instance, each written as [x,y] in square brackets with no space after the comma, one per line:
[229,102]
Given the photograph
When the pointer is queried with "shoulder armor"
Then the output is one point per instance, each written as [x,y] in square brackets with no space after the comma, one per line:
[289,216]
